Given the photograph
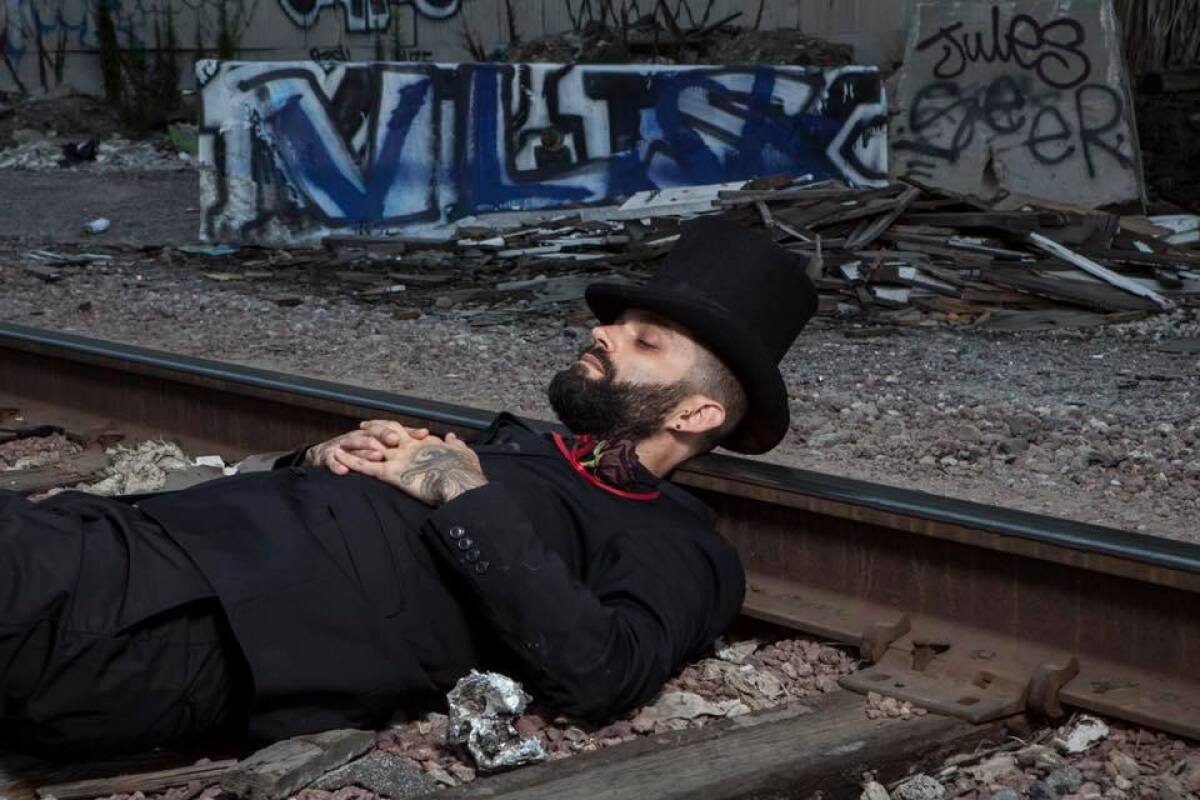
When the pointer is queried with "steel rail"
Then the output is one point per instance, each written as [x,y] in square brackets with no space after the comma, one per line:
[969,609]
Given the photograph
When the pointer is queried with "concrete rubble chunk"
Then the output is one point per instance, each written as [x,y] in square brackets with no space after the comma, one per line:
[1005,794]
[281,769]
[874,791]
[1040,790]
[681,705]
[1065,781]
[382,773]
[1191,774]
[832,439]
[1037,756]
[738,652]
[919,787]
[994,769]
[1124,765]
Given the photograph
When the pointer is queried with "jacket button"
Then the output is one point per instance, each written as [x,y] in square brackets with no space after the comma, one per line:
[481,567]
[457,532]
[465,543]
[472,556]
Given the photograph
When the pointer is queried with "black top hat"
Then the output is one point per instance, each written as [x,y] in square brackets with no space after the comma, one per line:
[742,296]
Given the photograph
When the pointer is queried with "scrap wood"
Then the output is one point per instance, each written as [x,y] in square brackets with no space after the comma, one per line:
[145,782]
[86,466]
[1103,273]
[894,247]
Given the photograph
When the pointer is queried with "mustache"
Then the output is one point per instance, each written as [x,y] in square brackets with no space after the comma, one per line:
[601,356]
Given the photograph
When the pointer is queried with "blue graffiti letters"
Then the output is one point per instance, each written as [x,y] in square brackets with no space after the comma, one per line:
[358,146]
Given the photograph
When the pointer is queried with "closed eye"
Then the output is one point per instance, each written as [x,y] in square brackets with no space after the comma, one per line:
[646,344]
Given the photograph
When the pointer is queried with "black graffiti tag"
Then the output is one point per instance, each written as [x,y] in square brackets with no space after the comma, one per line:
[945,119]
[1053,51]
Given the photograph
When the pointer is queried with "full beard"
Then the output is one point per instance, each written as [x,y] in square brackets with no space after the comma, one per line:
[611,409]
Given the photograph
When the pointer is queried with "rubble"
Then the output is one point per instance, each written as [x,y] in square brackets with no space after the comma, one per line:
[666,39]
[46,150]
[971,411]
[880,707]
[1118,762]
[28,452]
[900,256]
[1084,732]
[144,467]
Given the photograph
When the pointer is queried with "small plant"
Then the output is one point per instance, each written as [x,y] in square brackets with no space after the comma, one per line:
[227,40]
[8,63]
[110,52]
[198,51]
[166,62]
[397,47]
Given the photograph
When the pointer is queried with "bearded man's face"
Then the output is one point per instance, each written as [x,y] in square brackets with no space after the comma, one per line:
[609,408]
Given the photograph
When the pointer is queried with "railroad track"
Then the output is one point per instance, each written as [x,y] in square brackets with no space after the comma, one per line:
[978,613]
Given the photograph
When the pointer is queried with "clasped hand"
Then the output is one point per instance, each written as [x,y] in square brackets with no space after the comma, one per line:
[432,469]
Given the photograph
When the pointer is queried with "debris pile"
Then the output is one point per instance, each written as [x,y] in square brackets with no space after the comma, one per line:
[46,150]
[18,452]
[745,676]
[897,256]
[880,707]
[664,38]
[1083,760]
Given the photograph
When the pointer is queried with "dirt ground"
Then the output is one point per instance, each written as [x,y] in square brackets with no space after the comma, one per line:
[1099,425]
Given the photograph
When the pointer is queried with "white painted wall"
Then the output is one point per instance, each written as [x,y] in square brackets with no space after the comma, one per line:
[428,29]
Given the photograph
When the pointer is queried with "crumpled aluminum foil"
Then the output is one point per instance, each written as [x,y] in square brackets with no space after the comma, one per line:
[483,706]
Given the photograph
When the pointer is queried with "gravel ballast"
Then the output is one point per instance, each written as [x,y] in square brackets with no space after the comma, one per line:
[1099,425]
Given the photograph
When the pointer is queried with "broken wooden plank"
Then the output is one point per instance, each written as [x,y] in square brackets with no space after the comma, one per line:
[145,782]
[20,775]
[1103,273]
[821,746]
[955,243]
[877,227]
[1004,220]
[1095,295]
[85,466]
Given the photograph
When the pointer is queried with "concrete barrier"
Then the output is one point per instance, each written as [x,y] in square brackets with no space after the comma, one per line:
[294,151]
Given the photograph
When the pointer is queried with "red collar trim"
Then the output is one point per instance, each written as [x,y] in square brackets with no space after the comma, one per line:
[592,479]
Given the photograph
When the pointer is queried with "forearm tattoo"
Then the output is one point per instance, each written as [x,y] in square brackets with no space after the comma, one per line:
[439,474]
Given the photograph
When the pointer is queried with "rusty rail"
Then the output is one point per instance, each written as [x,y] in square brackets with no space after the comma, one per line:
[970,610]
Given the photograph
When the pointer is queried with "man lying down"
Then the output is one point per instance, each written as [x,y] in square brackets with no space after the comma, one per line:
[367,574]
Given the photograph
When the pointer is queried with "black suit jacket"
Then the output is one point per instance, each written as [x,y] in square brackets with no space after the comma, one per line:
[350,599]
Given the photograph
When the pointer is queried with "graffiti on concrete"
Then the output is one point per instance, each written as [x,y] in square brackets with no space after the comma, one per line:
[366,15]
[686,13]
[292,151]
[71,24]
[24,22]
[1023,94]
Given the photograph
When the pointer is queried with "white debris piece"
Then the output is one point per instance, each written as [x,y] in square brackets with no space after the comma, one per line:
[874,791]
[97,225]
[919,787]
[1080,734]
[138,469]
[683,705]
[738,652]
